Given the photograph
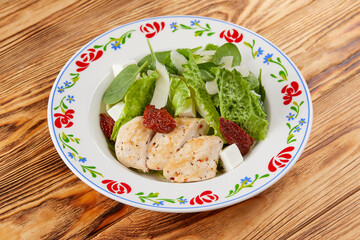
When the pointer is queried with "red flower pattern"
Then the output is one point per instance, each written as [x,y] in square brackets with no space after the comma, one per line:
[64,119]
[290,91]
[116,187]
[88,57]
[204,197]
[280,160]
[151,29]
[231,35]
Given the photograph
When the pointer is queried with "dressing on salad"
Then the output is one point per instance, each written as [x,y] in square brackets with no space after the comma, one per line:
[186,113]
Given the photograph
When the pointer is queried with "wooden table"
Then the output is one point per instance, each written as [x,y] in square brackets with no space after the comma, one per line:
[40,198]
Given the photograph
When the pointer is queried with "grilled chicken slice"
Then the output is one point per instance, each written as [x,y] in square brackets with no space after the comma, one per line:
[196,161]
[163,146]
[132,142]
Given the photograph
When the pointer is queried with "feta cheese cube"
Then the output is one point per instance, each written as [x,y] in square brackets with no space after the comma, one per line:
[231,157]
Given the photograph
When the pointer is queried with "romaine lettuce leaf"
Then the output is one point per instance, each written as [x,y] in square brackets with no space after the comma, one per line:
[257,87]
[216,100]
[239,104]
[180,96]
[136,99]
[203,101]
[254,83]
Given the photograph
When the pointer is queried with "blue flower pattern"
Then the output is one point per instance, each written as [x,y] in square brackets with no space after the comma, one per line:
[158,203]
[67,84]
[174,25]
[182,200]
[247,179]
[297,129]
[290,117]
[115,45]
[259,52]
[267,58]
[82,159]
[70,99]
[61,89]
[195,22]
[302,121]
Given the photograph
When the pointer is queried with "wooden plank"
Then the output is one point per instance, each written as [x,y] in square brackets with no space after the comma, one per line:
[317,199]
[27,15]
[340,222]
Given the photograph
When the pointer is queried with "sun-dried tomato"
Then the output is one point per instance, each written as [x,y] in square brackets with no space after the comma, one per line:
[106,124]
[235,134]
[158,120]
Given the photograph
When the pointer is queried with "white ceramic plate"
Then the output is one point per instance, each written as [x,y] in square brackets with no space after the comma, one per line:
[75,104]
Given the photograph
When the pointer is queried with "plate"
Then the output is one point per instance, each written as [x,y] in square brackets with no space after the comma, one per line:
[75,104]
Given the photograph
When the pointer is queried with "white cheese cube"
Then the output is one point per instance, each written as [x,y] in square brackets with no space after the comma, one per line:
[211,87]
[116,110]
[231,157]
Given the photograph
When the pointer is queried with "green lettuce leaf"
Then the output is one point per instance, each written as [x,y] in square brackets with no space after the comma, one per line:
[216,100]
[203,101]
[239,104]
[136,99]
[254,83]
[180,96]
[257,87]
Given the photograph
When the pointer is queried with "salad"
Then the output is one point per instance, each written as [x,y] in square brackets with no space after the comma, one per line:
[186,114]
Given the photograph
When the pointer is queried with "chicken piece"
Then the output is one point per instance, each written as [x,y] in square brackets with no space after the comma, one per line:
[164,145]
[196,161]
[132,142]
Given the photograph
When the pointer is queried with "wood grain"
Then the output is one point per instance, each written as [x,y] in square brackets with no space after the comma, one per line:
[40,198]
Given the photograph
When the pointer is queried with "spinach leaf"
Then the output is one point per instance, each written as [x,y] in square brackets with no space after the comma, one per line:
[206,76]
[170,67]
[211,46]
[121,83]
[205,70]
[228,49]
[187,52]
[160,56]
